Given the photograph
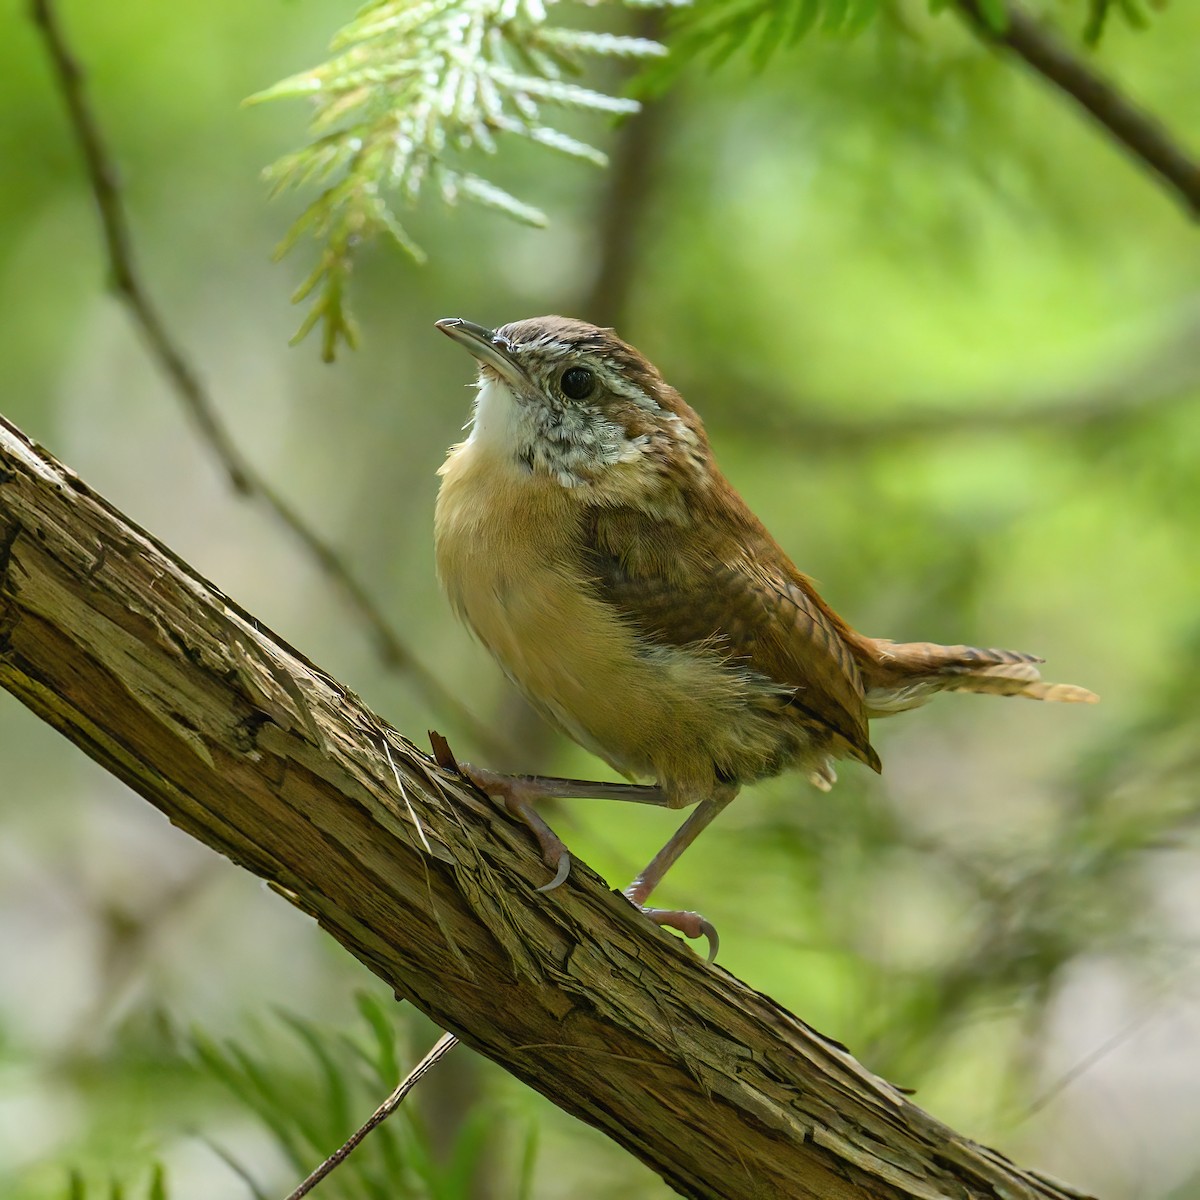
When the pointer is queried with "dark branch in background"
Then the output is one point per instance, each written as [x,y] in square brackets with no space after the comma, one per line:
[243,478]
[1046,54]
[632,180]
[102,176]
[441,1047]
[1158,379]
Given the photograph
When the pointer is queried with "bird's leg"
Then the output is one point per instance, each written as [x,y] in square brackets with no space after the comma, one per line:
[690,924]
[550,787]
[518,793]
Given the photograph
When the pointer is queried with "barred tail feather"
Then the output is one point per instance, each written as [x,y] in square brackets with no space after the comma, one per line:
[901,675]
[1017,679]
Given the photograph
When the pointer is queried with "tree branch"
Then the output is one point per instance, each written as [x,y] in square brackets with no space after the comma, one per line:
[1142,136]
[245,480]
[250,748]
[1161,377]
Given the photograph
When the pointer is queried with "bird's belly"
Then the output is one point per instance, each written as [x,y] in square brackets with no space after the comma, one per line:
[679,714]
[568,653]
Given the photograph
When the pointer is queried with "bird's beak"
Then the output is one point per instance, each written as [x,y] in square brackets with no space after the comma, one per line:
[487,346]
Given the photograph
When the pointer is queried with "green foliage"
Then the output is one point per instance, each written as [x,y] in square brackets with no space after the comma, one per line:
[78,1188]
[312,1102]
[411,90]
[415,91]
[714,30]
[1099,12]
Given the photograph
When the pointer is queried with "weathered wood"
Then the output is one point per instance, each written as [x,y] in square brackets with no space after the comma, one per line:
[248,747]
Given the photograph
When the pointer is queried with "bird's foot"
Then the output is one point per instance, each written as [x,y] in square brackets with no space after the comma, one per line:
[517,794]
[690,924]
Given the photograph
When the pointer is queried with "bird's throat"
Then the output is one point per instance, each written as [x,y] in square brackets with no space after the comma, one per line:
[571,445]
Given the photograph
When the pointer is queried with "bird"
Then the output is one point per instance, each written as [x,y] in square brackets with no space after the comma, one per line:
[585,534]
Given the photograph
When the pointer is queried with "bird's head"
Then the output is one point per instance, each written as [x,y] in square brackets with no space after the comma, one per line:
[573,403]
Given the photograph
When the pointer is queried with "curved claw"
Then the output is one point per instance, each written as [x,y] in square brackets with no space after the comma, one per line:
[517,796]
[690,924]
[560,875]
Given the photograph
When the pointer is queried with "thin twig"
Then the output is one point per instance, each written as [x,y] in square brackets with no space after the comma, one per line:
[443,1045]
[165,350]
[1141,134]
[1114,1042]
[1148,1011]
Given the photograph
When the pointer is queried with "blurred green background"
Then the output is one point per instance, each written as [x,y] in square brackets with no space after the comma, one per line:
[946,339]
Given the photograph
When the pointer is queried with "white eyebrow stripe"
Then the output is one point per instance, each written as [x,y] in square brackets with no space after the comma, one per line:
[544,348]
[630,391]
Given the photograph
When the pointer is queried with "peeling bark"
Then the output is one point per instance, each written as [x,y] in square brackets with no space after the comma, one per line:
[250,748]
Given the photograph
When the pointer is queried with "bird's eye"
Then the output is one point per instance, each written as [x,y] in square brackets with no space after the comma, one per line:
[577,383]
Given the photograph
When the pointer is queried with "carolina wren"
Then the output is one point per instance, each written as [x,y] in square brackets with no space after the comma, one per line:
[586,535]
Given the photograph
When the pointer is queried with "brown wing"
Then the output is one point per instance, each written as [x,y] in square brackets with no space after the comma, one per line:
[724,580]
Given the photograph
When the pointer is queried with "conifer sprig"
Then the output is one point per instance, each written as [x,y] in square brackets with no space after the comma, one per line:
[411,92]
